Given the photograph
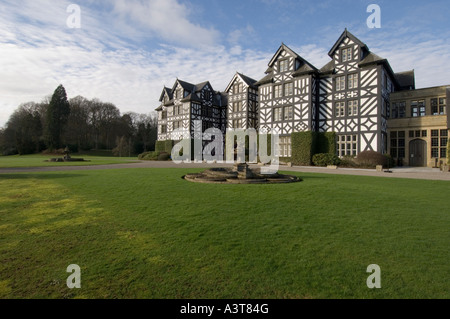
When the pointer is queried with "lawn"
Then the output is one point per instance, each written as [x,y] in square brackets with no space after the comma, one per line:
[40,161]
[146,233]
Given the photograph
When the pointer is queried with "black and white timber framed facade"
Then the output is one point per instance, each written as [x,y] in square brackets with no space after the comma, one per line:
[350,95]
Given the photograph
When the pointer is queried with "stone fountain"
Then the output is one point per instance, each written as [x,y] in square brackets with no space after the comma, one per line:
[240,174]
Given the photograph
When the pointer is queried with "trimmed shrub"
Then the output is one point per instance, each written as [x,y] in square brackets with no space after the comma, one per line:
[164,146]
[154,156]
[163,157]
[370,159]
[143,155]
[326,159]
[326,143]
[448,152]
[303,147]
[348,162]
[269,144]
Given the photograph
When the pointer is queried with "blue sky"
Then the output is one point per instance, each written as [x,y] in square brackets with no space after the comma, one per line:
[127,50]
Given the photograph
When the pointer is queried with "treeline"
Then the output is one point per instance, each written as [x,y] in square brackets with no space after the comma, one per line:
[78,123]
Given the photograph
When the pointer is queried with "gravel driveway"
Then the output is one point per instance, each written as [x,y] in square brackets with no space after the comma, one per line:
[414,173]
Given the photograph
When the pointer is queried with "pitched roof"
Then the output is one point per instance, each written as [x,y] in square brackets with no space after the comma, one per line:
[265,80]
[372,58]
[304,69]
[167,91]
[185,85]
[292,52]
[249,81]
[191,98]
[406,80]
[344,35]
[200,86]
[328,68]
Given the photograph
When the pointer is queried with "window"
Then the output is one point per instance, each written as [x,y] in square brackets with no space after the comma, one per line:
[237,107]
[284,65]
[277,114]
[164,115]
[340,109]
[353,81]
[251,123]
[340,83]
[398,110]
[207,111]
[424,133]
[398,144]
[163,129]
[177,110]
[422,108]
[289,89]
[439,106]
[278,92]
[179,94]
[439,142]
[238,88]
[177,125]
[442,106]
[347,54]
[434,107]
[285,147]
[288,113]
[418,108]
[237,124]
[353,108]
[347,145]
[207,95]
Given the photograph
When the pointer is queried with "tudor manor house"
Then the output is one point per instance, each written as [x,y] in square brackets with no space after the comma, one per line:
[357,95]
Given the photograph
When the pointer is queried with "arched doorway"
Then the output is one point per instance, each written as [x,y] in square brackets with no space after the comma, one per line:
[418,153]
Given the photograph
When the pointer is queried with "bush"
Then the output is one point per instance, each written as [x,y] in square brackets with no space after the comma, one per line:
[163,157]
[164,146]
[370,159]
[326,159]
[448,152]
[143,155]
[154,156]
[348,162]
[303,145]
[326,143]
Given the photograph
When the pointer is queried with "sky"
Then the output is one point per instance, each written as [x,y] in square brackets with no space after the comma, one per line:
[126,51]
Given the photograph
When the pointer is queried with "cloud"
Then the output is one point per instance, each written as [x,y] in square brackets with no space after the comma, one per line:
[168,19]
[112,58]
[38,52]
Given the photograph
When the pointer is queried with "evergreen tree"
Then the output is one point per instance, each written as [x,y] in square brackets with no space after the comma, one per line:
[57,116]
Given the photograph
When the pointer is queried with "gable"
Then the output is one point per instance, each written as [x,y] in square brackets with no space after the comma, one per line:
[348,48]
[285,60]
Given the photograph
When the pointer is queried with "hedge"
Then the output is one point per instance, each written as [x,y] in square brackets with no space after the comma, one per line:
[164,146]
[154,156]
[448,152]
[326,159]
[303,147]
[269,144]
[326,143]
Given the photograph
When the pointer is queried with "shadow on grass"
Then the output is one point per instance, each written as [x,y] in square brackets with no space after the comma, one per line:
[38,176]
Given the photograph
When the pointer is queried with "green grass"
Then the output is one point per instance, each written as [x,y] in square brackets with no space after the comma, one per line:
[40,161]
[146,233]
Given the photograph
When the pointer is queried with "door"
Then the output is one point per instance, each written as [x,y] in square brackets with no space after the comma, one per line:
[418,153]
